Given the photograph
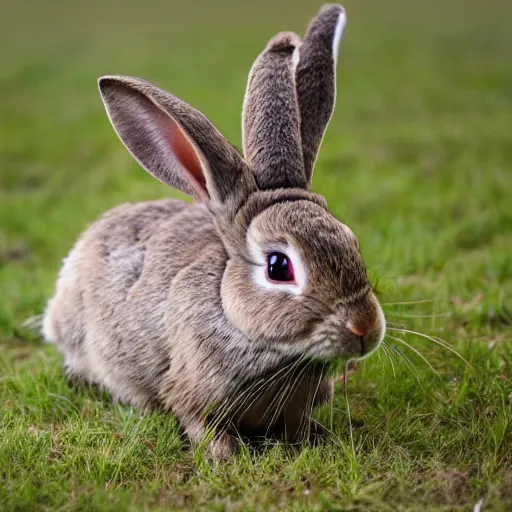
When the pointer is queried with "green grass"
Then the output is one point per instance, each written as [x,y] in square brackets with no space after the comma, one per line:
[417,161]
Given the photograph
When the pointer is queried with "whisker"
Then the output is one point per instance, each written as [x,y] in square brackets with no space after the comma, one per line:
[304,428]
[391,314]
[267,385]
[228,406]
[279,400]
[253,392]
[287,393]
[438,341]
[385,348]
[394,324]
[409,302]
[408,363]
[312,403]
[288,376]
[417,352]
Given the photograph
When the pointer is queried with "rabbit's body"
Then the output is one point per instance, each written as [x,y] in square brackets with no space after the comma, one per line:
[99,318]
[226,311]
[138,311]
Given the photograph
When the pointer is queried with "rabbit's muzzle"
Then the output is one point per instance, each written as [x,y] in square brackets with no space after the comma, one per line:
[367,324]
[351,332]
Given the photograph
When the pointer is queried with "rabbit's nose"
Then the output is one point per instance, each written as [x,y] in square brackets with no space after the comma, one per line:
[357,329]
[370,333]
[368,325]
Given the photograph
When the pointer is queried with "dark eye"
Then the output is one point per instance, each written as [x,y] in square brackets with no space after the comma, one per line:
[279,268]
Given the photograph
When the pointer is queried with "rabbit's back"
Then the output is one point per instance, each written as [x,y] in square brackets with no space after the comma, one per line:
[109,314]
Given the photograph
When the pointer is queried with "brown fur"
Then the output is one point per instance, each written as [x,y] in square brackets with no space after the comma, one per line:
[164,304]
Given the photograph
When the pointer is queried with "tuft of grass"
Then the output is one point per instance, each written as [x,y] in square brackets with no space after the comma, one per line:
[417,160]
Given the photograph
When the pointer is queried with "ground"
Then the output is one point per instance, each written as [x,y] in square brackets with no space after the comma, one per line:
[417,161]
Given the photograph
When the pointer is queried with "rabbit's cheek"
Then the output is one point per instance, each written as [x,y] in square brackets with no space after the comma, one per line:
[332,340]
[264,316]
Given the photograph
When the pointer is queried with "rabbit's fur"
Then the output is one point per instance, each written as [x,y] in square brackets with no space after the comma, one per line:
[169,304]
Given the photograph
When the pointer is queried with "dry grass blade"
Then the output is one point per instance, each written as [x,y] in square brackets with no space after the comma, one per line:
[347,404]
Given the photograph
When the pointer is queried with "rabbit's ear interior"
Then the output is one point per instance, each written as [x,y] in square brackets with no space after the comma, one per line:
[181,147]
[174,142]
[316,79]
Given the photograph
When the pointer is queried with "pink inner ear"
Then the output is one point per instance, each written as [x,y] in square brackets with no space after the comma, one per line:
[186,154]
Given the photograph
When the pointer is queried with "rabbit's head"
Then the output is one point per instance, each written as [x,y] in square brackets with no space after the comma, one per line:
[294,280]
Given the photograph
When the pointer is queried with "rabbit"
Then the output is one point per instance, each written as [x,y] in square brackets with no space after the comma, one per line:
[224,311]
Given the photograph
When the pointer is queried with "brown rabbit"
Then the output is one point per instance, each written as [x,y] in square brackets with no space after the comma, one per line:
[224,311]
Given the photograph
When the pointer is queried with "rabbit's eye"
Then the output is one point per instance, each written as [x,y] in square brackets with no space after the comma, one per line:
[279,268]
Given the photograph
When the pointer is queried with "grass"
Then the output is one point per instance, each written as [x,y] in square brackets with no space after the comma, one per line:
[417,161]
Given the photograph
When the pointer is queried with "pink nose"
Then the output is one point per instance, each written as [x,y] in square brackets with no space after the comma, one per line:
[358,330]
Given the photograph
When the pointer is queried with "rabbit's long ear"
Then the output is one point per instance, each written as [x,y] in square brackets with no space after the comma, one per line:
[316,79]
[270,117]
[174,142]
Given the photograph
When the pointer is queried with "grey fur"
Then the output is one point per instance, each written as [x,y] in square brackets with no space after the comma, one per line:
[161,303]
[316,82]
[271,123]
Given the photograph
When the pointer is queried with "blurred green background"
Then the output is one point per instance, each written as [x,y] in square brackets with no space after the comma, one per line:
[417,160]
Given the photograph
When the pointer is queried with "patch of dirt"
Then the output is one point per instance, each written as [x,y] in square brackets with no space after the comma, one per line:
[18,349]
[453,486]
